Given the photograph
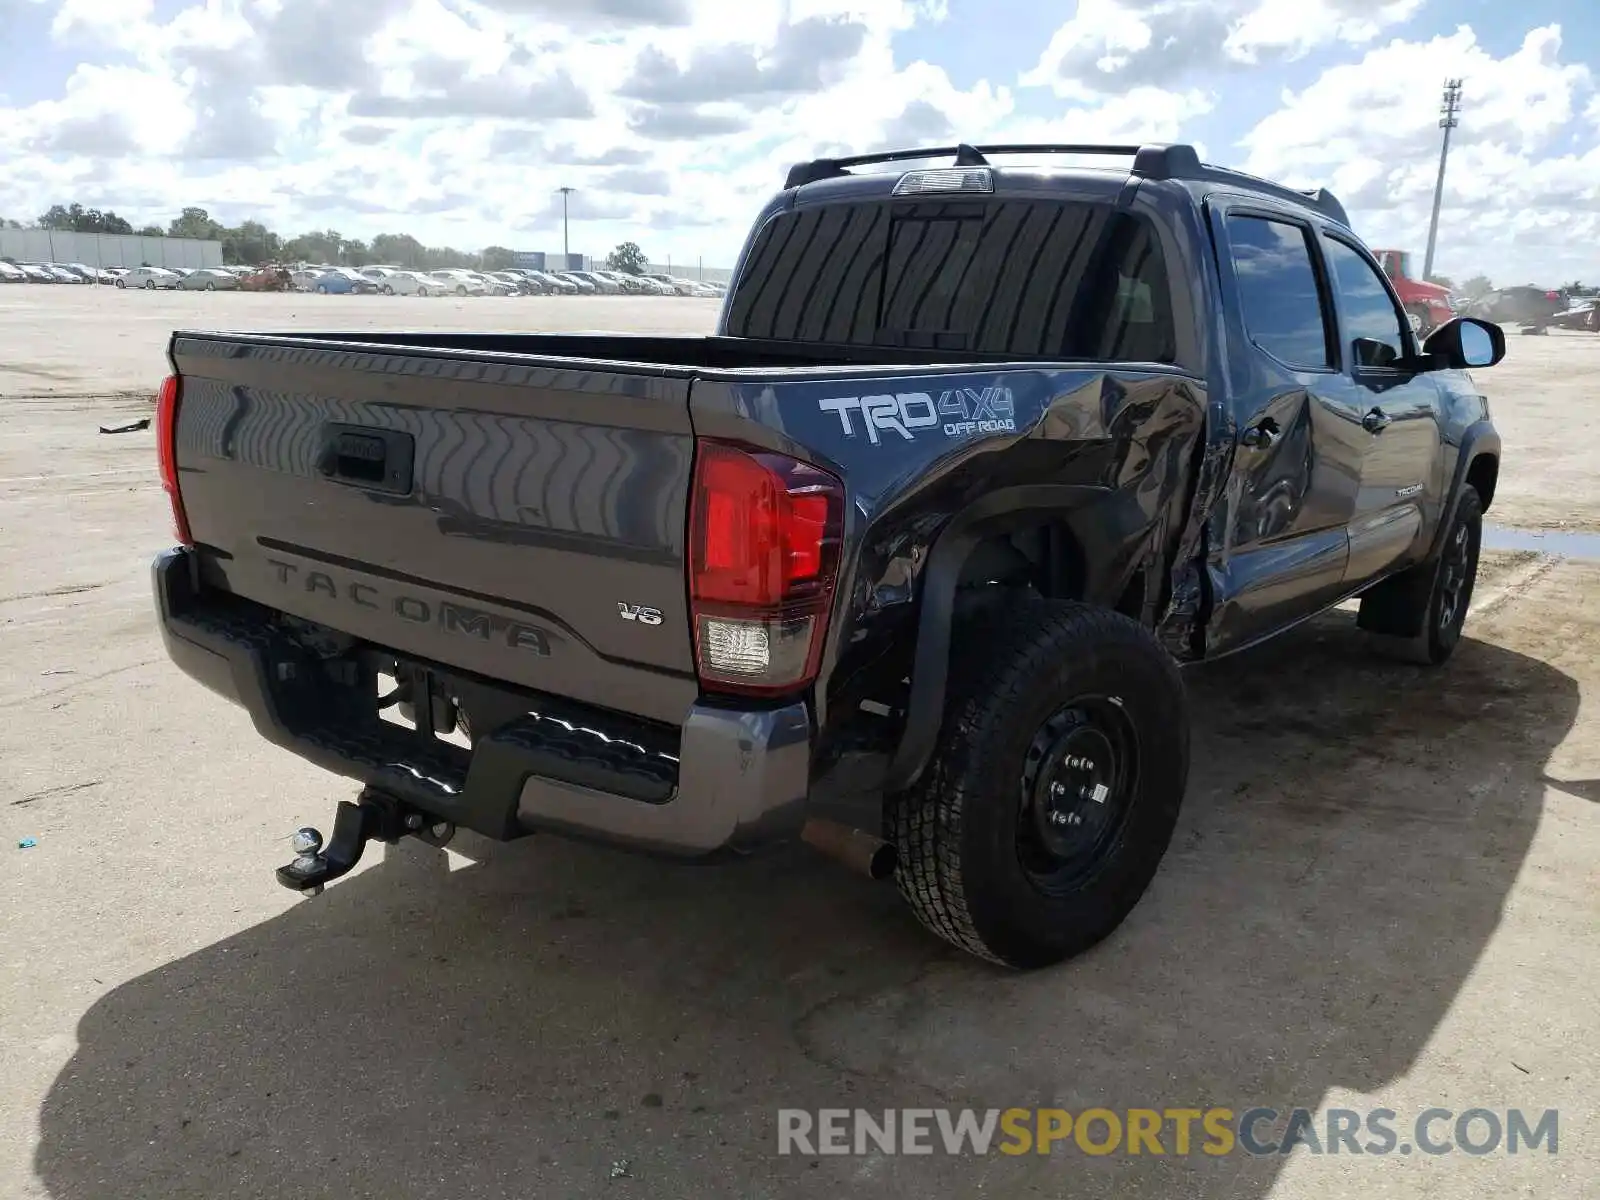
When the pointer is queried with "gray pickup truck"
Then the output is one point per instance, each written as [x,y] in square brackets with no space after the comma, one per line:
[902,560]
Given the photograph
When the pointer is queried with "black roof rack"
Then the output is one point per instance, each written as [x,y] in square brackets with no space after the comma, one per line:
[1152,161]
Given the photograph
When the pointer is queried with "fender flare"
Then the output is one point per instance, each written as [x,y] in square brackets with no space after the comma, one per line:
[1481,437]
[1105,538]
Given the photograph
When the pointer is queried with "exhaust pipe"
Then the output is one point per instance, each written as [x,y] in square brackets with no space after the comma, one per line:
[855,848]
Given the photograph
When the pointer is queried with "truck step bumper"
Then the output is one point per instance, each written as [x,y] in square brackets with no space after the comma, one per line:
[739,780]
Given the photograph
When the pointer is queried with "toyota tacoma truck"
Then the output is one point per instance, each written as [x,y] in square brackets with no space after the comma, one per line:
[901,561]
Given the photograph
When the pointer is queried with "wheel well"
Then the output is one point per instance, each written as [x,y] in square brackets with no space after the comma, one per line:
[1483,473]
[1045,557]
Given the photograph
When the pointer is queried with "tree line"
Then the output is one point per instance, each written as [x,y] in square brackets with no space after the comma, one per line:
[250,242]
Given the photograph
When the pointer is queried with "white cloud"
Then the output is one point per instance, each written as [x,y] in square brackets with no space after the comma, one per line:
[1294,27]
[456,120]
[1519,201]
[1113,46]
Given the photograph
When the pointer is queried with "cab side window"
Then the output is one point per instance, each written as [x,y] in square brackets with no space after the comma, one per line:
[1372,325]
[1279,296]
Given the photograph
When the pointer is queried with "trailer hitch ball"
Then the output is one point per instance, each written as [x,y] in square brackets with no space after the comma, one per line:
[307,844]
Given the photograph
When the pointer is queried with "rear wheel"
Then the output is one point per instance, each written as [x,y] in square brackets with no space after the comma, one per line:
[388,289]
[210,286]
[1050,803]
[121,284]
[322,288]
[461,289]
[150,285]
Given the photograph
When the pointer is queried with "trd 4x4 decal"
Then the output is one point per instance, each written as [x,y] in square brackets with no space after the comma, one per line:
[958,411]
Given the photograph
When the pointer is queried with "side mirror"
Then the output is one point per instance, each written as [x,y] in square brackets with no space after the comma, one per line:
[1465,342]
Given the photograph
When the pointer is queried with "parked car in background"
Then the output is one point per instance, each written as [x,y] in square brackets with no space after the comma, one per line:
[37,273]
[149,278]
[678,287]
[630,284]
[1581,313]
[267,279]
[533,285]
[554,284]
[586,287]
[62,274]
[11,273]
[461,282]
[602,285]
[411,283]
[343,281]
[304,278]
[515,282]
[380,275]
[493,286]
[209,279]
[1529,307]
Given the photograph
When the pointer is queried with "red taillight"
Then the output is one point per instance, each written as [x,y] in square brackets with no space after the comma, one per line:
[1552,295]
[764,534]
[167,454]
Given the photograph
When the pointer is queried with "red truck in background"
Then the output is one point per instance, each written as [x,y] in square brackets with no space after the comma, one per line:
[1427,304]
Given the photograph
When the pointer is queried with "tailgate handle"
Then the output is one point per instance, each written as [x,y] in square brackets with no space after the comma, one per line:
[378,459]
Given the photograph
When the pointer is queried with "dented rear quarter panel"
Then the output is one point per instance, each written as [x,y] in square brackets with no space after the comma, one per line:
[1112,451]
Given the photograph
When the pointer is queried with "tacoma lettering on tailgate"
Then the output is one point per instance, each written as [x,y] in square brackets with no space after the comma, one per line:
[450,617]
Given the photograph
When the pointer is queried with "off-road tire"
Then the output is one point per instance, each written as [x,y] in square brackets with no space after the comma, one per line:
[956,831]
[1405,612]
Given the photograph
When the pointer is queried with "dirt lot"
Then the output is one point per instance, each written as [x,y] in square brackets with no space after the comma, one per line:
[1382,893]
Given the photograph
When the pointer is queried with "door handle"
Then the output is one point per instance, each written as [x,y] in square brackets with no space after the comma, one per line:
[1260,436]
[1376,421]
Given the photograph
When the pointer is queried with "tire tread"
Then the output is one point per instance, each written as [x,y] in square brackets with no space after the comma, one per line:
[988,678]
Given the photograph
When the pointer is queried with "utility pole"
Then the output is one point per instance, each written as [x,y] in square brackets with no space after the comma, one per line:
[1450,111]
[566,252]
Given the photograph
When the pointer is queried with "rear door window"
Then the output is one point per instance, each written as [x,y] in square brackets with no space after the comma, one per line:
[1280,298]
[1012,278]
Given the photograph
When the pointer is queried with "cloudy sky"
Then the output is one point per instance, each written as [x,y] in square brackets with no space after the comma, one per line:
[454,120]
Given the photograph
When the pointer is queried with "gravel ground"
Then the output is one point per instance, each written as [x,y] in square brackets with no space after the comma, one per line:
[1382,893]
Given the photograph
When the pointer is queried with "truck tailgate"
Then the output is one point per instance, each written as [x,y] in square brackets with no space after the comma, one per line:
[518,517]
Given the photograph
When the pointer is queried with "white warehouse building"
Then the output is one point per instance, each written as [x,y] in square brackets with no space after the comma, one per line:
[107,249]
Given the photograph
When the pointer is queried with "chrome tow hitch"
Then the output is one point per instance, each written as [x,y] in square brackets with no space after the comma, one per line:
[375,816]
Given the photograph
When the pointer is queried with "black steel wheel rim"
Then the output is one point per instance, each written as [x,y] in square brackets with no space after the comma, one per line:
[1079,779]
[1455,576]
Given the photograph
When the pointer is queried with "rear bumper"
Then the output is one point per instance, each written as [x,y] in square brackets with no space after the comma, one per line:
[740,779]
